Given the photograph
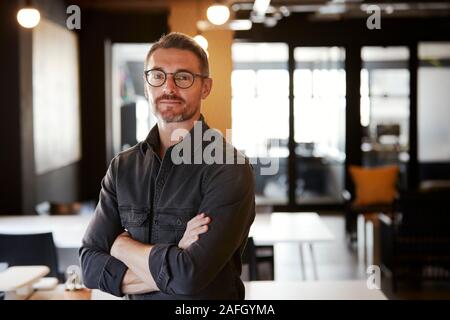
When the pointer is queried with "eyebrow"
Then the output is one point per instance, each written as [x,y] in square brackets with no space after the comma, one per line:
[177,70]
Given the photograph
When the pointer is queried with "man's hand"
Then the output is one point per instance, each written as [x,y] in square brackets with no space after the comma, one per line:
[195,227]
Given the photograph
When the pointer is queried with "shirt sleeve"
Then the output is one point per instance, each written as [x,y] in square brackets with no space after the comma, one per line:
[230,202]
[100,269]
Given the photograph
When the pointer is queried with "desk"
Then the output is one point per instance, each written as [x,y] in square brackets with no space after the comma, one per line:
[268,229]
[268,290]
[67,230]
[311,290]
[58,294]
[305,228]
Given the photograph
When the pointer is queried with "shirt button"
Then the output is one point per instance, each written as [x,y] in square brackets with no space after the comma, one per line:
[179,222]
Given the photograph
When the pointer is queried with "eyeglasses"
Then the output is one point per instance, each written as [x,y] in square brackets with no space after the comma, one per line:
[182,79]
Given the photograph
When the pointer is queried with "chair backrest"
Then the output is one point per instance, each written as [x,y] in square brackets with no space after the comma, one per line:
[425,213]
[374,185]
[29,249]
[249,258]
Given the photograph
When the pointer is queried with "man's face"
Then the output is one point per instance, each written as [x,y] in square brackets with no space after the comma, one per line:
[168,102]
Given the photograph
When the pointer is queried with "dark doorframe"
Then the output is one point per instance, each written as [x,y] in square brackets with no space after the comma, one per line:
[413,164]
[292,170]
[353,133]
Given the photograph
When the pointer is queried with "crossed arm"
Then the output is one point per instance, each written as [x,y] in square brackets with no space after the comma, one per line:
[135,255]
[112,263]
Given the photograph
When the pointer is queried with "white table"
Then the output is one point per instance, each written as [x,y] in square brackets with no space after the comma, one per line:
[266,290]
[311,290]
[67,230]
[59,293]
[303,228]
[268,229]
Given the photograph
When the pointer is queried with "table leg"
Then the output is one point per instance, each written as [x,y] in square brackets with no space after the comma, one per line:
[361,231]
[313,259]
[302,262]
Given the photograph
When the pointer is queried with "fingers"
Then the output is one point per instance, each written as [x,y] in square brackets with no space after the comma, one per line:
[195,227]
[199,230]
[198,220]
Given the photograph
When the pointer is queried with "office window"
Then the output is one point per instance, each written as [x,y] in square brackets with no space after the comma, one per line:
[260,113]
[434,110]
[319,123]
[385,107]
[131,116]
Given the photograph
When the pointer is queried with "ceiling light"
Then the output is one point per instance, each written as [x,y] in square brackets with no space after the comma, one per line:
[389,9]
[236,25]
[261,6]
[28,17]
[241,24]
[218,14]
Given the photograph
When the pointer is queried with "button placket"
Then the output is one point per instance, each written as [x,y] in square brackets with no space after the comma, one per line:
[154,229]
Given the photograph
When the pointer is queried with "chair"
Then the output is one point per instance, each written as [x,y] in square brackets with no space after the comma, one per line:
[249,258]
[254,255]
[3,267]
[415,244]
[30,249]
[388,134]
[375,192]
[264,254]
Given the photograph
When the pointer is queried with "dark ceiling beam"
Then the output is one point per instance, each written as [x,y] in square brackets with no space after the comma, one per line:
[122,6]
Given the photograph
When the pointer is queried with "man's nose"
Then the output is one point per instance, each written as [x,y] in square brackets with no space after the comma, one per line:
[170,85]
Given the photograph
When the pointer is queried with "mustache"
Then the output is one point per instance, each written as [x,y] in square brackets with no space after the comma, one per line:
[169,97]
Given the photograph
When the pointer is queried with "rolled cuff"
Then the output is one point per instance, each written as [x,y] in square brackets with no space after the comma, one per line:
[159,267]
[112,276]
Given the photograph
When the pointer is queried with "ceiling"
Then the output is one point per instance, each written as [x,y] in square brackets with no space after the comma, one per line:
[278,9]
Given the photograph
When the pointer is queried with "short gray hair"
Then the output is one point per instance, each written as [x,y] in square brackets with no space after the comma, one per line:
[178,40]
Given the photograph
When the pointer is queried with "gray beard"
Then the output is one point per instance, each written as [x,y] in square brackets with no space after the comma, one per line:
[180,118]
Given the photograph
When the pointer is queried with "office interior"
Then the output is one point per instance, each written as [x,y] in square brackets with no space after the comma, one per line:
[349,100]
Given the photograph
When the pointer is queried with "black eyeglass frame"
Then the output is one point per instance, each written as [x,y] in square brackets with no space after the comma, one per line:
[194,75]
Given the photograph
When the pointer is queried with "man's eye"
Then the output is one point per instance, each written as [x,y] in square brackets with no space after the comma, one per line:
[158,76]
[183,77]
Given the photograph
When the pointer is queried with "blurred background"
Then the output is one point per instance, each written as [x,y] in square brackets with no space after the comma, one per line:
[320,87]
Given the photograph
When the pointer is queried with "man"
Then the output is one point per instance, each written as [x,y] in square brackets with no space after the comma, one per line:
[164,229]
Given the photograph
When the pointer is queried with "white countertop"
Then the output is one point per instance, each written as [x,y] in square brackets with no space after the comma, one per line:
[67,230]
[267,290]
[289,227]
[311,290]
[267,229]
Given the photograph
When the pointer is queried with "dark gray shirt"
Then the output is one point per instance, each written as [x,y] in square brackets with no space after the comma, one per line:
[154,199]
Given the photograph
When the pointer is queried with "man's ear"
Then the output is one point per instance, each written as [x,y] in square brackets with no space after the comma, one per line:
[145,87]
[206,87]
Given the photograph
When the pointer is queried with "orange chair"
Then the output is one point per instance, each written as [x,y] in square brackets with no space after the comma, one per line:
[375,192]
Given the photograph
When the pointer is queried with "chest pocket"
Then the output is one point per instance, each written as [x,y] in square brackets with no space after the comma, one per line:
[136,222]
[171,224]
